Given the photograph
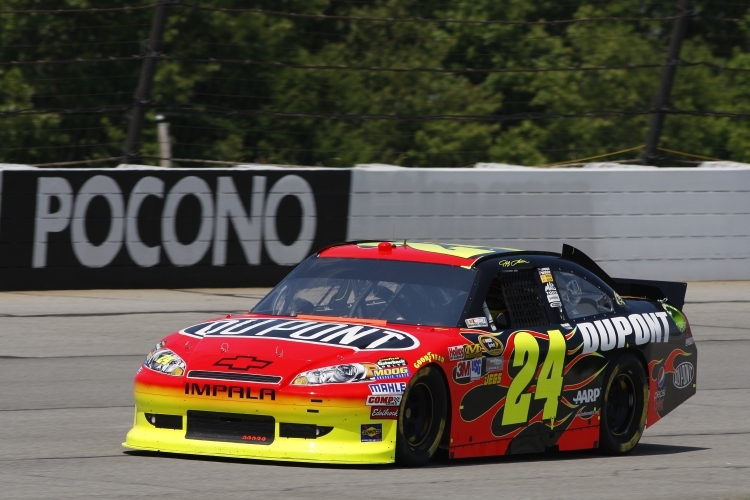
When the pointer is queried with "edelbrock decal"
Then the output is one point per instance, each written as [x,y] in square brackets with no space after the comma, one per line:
[364,337]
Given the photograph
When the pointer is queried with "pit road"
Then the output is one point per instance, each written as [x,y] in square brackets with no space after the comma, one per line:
[67,360]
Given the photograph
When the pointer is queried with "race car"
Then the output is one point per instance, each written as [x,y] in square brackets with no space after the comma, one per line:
[380,352]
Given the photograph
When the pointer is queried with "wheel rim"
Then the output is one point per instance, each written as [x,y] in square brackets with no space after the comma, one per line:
[418,415]
[620,404]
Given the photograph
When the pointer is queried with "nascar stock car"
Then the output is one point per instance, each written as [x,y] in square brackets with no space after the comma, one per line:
[375,352]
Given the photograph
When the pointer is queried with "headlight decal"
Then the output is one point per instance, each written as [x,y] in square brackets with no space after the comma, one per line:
[354,372]
[165,361]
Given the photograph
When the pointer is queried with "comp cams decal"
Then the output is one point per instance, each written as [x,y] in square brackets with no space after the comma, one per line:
[358,337]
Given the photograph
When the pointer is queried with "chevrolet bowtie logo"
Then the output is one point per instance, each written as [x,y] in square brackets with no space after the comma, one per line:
[243,363]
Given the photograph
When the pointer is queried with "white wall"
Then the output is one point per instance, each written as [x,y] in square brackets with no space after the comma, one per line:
[672,224]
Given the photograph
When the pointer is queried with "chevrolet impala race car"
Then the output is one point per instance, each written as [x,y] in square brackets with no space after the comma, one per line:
[375,352]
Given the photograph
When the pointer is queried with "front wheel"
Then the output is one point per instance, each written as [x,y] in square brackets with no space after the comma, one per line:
[625,405]
[422,419]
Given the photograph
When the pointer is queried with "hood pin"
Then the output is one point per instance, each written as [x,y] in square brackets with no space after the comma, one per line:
[224,347]
[279,351]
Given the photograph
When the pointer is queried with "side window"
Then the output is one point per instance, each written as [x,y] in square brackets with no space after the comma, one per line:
[580,297]
[515,300]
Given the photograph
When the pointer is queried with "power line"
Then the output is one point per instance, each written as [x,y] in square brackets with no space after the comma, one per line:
[77,11]
[251,62]
[432,21]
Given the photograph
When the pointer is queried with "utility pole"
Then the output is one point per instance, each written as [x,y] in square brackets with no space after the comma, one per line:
[142,94]
[661,101]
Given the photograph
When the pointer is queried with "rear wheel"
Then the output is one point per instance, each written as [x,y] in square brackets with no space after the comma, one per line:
[422,418]
[625,405]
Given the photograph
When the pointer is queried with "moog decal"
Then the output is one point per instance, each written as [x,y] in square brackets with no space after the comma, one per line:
[363,337]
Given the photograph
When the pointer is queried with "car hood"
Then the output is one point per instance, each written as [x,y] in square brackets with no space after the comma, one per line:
[281,348]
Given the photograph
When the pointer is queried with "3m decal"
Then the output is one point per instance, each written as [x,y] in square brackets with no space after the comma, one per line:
[545,275]
[549,383]
[428,358]
[456,353]
[480,322]
[383,400]
[384,412]
[683,375]
[243,363]
[229,391]
[388,388]
[606,334]
[491,345]
[371,433]
[362,337]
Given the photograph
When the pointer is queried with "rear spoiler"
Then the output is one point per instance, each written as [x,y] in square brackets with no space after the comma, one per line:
[672,292]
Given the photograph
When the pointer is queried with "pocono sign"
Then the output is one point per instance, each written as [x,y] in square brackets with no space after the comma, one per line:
[59,208]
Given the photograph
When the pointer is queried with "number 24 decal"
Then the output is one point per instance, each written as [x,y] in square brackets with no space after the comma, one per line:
[548,386]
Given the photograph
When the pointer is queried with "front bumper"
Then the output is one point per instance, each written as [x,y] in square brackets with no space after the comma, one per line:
[342,445]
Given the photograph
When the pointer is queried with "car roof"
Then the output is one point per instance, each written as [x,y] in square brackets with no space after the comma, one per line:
[431,253]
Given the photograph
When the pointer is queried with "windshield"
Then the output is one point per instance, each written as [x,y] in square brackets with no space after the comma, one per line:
[399,292]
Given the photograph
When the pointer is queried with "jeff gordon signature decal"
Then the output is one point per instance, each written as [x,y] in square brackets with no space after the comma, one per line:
[360,337]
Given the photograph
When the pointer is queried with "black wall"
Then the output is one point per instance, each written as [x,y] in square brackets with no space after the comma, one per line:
[95,237]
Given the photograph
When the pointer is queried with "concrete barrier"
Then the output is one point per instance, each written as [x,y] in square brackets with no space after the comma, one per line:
[170,228]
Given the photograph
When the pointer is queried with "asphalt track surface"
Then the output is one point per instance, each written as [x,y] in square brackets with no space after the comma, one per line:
[67,360]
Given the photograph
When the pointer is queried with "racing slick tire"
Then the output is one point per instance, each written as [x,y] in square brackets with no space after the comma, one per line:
[625,405]
[422,418]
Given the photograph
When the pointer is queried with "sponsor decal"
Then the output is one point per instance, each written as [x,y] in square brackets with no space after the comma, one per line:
[472,351]
[492,378]
[371,433]
[229,391]
[387,373]
[358,337]
[383,400]
[589,414]
[689,341]
[661,377]
[511,263]
[493,365]
[383,412]
[586,396]
[476,369]
[677,317]
[659,399]
[243,363]
[552,297]
[428,358]
[480,322]
[491,345]
[619,300]
[638,329]
[566,326]
[456,353]
[388,388]
[391,362]
[468,370]
[545,275]
[683,375]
